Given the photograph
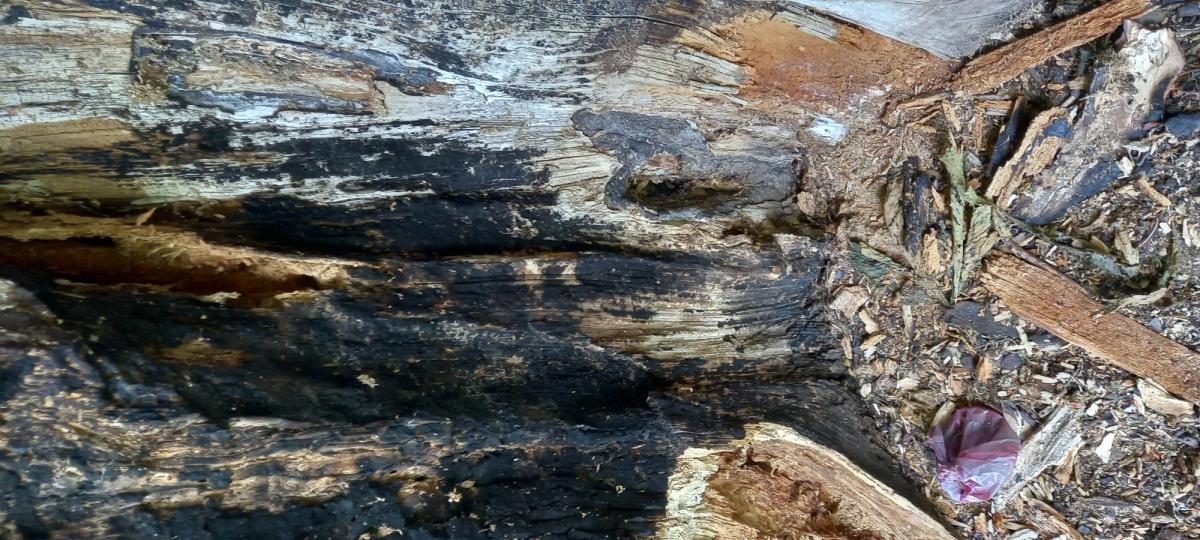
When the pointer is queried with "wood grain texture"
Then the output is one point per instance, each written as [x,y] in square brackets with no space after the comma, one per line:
[778,483]
[462,269]
[1062,307]
[1008,61]
[948,28]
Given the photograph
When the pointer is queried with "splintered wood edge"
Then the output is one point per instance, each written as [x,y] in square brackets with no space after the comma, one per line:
[1063,308]
[864,503]
[1005,63]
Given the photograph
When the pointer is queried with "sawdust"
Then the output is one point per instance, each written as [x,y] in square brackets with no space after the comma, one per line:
[788,60]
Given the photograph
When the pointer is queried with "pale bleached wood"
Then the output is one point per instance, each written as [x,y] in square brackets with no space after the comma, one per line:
[947,28]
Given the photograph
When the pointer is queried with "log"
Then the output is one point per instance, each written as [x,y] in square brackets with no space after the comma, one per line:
[460,269]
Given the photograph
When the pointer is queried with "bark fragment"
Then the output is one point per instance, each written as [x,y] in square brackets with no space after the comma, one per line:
[1005,63]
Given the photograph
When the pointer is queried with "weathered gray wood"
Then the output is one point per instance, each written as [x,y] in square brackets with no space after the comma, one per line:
[948,28]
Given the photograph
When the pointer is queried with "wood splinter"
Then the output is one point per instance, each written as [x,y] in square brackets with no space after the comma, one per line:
[1063,308]
[1005,63]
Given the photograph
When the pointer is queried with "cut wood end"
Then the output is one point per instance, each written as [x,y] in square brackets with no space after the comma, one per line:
[776,482]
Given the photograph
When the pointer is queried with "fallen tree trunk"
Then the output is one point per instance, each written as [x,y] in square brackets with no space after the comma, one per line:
[465,270]
[1073,315]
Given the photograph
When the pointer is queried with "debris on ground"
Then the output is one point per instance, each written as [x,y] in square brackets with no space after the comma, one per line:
[1061,307]
[1079,149]
[975,449]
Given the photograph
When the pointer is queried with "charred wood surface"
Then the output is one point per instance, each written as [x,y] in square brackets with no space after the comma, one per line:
[446,269]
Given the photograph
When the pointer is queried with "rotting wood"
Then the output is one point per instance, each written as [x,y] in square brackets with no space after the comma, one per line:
[1067,156]
[439,267]
[778,483]
[565,245]
[1062,307]
[1036,152]
[1007,62]
[319,420]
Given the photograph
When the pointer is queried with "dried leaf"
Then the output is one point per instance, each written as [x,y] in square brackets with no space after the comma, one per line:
[958,181]
[1000,225]
[871,262]
[969,246]
[979,242]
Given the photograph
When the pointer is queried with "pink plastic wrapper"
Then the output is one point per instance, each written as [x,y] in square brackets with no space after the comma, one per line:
[975,450]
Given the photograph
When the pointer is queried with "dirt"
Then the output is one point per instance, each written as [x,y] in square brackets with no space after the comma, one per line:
[909,361]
